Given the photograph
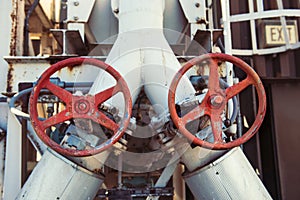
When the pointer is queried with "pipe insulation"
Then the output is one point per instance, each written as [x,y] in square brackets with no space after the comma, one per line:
[142,55]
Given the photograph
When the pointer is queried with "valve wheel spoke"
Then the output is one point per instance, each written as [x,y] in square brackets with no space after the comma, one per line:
[215,100]
[194,114]
[62,94]
[105,121]
[80,107]
[216,125]
[238,88]
[56,119]
[103,96]
[213,80]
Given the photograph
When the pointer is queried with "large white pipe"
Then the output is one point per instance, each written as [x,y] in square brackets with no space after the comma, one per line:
[55,177]
[229,177]
[142,55]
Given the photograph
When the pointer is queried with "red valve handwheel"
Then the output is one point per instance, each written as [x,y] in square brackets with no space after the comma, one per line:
[216,99]
[84,107]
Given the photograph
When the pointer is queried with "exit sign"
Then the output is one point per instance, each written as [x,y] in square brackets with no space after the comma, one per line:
[273,33]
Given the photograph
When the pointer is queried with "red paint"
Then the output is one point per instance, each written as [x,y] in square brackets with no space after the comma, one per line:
[216,99]
[84,107]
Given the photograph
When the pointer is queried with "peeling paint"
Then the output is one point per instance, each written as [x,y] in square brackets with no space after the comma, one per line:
[18,20]
[13,39]
[9,80]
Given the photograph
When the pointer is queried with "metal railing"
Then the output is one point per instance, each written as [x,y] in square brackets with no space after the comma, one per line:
[256,13]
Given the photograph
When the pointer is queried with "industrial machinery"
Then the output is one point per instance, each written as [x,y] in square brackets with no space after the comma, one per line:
[137,99]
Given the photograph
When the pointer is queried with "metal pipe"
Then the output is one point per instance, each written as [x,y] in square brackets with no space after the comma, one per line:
[26,28]
[142,55]
[56,177]
[67,85]
[16,98]
[229,177]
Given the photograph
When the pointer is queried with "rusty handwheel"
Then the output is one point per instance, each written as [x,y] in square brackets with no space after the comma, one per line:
[80,107]
[215,101]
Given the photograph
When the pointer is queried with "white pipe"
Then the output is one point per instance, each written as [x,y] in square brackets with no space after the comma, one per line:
[140,14]
[142,55]
[56,177]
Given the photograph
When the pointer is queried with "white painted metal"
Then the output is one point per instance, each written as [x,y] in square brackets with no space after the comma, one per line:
[3,115]
[165,176]
[2,164]
[245,52]
[137,15]
[115,7]
[144,58]
[283,23]
[252,26]
[13,158]
[158,70]
[4,41]
[102,23]
[94,163]
[3,129]
[142,55]
[194,10]
[229,177]
[29,69]
[194,158]
[78,26]
[264,14]
[225,6]
[252,17]
[35,140]
[260,5]
[79,10]
[55,177]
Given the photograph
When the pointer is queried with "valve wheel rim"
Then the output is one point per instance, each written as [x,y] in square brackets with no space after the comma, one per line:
[214,113]
[72,110]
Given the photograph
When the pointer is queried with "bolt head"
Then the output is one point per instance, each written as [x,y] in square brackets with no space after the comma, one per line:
[82,106]
[216,100]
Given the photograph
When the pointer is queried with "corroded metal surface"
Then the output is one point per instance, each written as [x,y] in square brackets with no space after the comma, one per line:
[216,99]
[80,107]
[17,17]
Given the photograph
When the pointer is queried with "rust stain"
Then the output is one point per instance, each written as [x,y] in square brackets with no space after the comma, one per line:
[14,19]
[68,69]
[9,81]
[98,171]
